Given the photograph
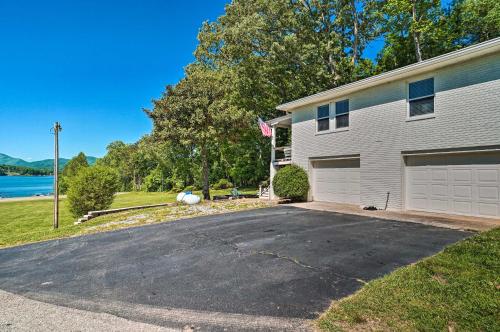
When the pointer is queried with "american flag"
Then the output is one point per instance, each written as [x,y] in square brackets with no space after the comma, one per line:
[266,130]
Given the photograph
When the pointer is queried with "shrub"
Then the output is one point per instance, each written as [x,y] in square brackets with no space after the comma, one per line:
[189,188]
[222,184]
[155,182]
[93,188]
[177,187]
[71,169]
[291,182]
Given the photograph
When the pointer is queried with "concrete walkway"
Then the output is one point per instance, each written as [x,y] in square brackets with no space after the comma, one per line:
[427,218]
[21,314]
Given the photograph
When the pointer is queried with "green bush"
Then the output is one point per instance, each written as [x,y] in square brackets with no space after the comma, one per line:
[222,184]
[93,188]
[177,187]
[155,182]
[189,188]
[71,169]
[291,182]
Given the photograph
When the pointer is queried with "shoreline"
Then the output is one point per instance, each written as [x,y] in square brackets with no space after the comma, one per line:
[38,198]
[28,175]
[30,198]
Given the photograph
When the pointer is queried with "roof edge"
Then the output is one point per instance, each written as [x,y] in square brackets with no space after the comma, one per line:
[470,52]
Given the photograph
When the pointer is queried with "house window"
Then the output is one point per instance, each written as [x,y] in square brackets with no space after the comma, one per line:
[342,114]
[323,118]
[421,97]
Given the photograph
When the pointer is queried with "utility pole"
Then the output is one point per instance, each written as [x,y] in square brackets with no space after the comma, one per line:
[57,128]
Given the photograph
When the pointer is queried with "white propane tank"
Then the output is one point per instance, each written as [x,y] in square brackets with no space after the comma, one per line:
[191,199]
[180,197]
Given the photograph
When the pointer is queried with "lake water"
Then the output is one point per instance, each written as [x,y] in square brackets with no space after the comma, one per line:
[25,186]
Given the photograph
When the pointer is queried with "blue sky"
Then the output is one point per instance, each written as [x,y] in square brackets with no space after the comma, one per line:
[93,65]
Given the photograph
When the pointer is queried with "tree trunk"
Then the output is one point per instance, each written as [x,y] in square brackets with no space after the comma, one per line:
[205,171]
[355,32]
[416,35]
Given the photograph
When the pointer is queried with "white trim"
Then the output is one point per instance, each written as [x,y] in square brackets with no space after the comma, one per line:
[416,154]
[419,117]
[339,130]
[422,116]
[332,112]
[326,131]
[467,53]
[277,121]
[333,158]
[335,129]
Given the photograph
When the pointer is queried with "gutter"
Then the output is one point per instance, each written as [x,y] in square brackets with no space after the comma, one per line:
[467,53]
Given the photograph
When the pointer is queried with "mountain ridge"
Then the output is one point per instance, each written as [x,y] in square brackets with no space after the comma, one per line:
[39,164]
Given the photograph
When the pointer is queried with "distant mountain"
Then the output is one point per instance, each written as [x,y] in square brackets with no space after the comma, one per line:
[40,164]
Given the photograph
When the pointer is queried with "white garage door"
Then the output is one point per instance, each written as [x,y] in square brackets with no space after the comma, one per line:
[336,181]
[466,184]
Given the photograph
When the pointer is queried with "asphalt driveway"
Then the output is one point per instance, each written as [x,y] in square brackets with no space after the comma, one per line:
[282,262]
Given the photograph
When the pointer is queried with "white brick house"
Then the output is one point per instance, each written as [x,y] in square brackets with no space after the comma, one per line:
[422,137]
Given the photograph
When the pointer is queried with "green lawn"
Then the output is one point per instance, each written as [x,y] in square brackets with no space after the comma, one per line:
[31,221]
[455,290]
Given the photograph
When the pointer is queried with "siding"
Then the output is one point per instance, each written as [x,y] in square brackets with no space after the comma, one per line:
[467,114]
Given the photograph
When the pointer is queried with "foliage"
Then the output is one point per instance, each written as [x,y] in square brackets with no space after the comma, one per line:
[196,113]
[92,188]
[473,21]
[413,32]
[412,27]
[259,54]
[22,170]
[71,169]
[46,164]
[155,181]
[291,182]
[189,188]
[455,290]
[75,165]
[222,184]
[136,161]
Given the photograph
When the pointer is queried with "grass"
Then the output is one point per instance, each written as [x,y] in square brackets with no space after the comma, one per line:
[31,221]
[455,290]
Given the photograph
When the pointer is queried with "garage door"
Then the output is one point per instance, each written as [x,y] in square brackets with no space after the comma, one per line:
[466,184]
[336,181]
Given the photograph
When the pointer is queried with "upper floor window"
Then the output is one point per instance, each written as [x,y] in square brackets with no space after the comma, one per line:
[342,114]
[323,117]
[421,97]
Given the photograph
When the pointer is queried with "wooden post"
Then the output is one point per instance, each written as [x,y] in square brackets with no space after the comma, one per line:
[57,129]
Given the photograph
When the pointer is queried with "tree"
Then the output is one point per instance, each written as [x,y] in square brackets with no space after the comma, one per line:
[413,31]
[473,21]
[75,165]
[92,188]
[284,50]
[359,22]
[71,169]
[133,161]
[196,113]
[277,51]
